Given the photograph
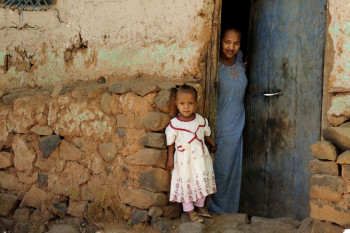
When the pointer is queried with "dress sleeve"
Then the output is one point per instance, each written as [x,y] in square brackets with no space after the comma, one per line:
[207,130]
[171,135]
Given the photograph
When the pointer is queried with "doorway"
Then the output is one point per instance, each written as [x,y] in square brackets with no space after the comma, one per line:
[284,44]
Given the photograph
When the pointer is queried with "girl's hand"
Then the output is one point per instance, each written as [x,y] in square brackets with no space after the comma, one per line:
[170,165]
[214,148]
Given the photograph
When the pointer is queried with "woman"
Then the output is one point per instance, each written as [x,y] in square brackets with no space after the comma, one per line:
[229,124]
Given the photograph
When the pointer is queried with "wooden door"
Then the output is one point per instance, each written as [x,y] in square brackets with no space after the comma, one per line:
[285,54]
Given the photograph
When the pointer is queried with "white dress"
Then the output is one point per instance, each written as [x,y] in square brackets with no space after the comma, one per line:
[192,177]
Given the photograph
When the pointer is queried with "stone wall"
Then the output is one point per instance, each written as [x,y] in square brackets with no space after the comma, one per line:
[95,151]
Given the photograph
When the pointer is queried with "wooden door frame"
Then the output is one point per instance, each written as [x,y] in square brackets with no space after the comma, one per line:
[211,76]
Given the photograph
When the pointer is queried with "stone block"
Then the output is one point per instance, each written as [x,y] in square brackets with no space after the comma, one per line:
[98,165]
[41,217]
[148,157]
[9,223]
[42,178]
[345,173]
[193,227]
[5,160]
[138,216]
[344,158]
[58,208]
[155,212]
[305,226]
[330,212]
[27,178]
[162,101]
[77,208]
[10,182]
[324,150]
[122,121]
[22,228]
[162,224]
[326,187]
[275,225]
[120,88]
[108,151]
[21,215]
[155,180]
[106,100]
[48,144]
[36,198]
[24,156]
[347,199]
[173,210]
[323,167]
[141,198]
[155,140]
[63,228]
[325,227]
[121,132]
[339,136]
[42,130]
[154,121]
[8,203]
[86,194]
[143,89]
[70,152]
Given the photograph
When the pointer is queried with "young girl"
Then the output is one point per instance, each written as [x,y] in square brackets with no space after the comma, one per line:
[191,165]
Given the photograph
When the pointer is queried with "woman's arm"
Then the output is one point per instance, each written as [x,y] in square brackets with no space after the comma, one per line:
[170,162]
[211,142]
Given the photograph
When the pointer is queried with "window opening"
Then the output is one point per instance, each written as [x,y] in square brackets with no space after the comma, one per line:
[34,4]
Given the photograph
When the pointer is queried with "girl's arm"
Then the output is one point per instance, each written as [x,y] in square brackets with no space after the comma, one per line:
[211,142]
[170,162]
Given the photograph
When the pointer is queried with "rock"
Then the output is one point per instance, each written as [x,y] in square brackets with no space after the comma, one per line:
[5,160]
[271,225]
[41,217]
[326,187]
[339,136]
[155,180]
[347,199]
[59,208]
[48,144]
[22,228]
[325,227]
[344,158]
[173,210]
[108,151]
[162,101]
[147,156]
[98,165]
[185,218]
[106,100]
[36,198]
[8,203]
[9,224]
[48,164]
[161,224]
[330,212]
[324,150]
[86,194]
[63,228]
[42,130]
[143,89]
[154,121]
[193,227]
[10,182]
[26,178]
[120,88]
[141,198]
[21,215]
[155,140]
[57,90]
[70,152]
[155,212]
[122,121]
[139,216]
[345,172]
[43,177]
[120,132]
[24,156]
[323,167]
[77,208]
[77,142]
[305,226]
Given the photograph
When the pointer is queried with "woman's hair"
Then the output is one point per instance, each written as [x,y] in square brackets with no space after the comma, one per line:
[174,91]
[228,27]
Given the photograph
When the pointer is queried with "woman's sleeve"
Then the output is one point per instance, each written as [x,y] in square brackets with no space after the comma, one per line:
[207,130]
[170,134]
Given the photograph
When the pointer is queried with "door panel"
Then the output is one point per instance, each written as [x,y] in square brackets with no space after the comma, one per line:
[286,47]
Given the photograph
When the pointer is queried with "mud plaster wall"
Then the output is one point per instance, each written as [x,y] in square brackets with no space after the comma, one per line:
[337,62]
[83,40]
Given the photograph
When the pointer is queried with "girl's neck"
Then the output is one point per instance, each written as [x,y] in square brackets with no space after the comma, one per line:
[189,118]
[226,61]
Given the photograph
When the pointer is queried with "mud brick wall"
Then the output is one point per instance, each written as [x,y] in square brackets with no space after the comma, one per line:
[96,151]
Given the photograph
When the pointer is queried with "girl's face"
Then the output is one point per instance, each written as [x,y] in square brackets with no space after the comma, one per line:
[186,103]
[230,44]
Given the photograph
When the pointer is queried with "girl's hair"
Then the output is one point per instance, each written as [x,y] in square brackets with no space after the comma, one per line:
[228,27]
[174,91]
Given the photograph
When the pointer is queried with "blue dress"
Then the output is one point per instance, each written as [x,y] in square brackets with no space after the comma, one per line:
[229,126]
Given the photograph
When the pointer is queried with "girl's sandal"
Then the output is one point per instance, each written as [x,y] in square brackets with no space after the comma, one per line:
[203,212]
[195,217]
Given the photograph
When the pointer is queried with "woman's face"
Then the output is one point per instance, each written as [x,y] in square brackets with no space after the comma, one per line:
[230,44]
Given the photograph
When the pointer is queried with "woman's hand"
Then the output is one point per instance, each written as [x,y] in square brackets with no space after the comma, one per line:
[170,165]
[214,148]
